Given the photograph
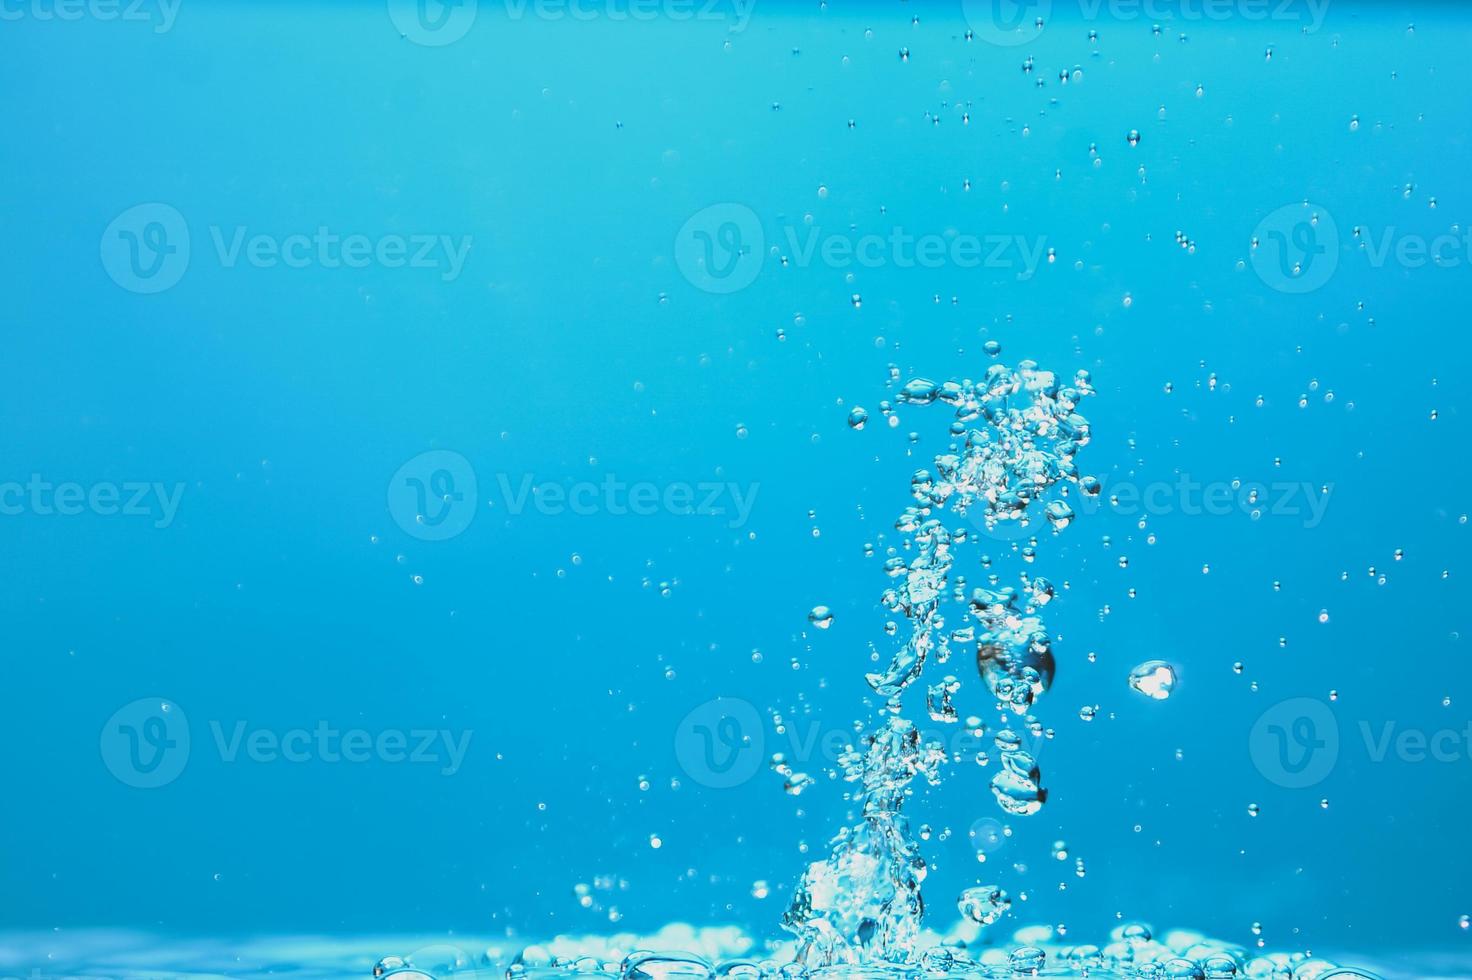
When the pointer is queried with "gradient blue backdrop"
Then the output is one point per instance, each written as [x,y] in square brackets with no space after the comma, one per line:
[571,347]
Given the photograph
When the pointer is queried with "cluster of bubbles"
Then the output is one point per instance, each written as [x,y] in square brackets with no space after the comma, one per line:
[1014,437]
[857,913]
[1132,952]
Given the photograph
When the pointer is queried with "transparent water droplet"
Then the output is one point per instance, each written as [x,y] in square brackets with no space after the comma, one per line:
[984,904]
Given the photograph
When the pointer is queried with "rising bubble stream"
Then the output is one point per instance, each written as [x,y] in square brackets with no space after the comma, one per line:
[1014,437]
[1008,471]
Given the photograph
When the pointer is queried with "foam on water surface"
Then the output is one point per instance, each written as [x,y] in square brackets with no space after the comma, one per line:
[133,955]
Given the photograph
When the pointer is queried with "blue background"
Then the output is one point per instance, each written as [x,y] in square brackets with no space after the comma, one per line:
[571,348]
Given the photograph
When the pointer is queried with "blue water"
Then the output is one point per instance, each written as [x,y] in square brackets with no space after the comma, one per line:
[272,671]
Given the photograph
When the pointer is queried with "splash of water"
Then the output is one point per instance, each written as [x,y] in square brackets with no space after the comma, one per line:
[1015,435]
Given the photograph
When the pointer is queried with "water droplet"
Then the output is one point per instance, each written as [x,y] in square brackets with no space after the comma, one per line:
[1027,961]
[984,904]
[665,966]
